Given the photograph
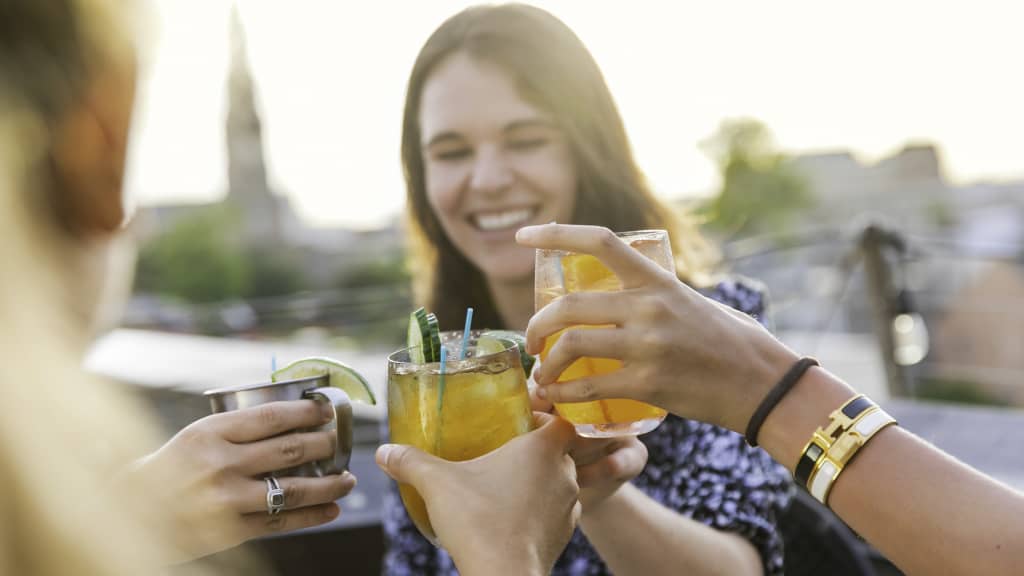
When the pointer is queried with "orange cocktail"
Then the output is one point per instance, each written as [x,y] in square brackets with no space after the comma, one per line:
[482,404]
[559,273]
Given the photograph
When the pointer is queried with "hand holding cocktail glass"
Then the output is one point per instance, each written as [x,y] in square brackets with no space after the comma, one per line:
[521,497]
[457,409]
[566,279]
[654,321]
[462,396]
[603,465]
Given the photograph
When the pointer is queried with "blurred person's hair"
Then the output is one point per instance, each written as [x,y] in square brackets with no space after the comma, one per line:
[555,72]
[64,436]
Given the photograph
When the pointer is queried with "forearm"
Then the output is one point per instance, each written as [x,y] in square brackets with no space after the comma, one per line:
[487,561]
[925,511]
[636,535]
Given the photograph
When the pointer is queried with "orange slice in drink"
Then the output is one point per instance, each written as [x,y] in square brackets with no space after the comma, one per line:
[585,273]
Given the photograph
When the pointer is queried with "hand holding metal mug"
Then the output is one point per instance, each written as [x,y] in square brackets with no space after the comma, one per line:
[333,401]
[217,472]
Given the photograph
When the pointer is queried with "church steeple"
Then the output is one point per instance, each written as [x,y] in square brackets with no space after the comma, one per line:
[248,193]
[246,170]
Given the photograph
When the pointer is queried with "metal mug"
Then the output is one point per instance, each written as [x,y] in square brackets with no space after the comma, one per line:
[315,388]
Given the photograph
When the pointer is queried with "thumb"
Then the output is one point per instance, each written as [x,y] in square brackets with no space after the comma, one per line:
[555,432]
[406,464]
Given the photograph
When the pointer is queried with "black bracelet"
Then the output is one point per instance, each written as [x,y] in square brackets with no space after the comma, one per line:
[775,395]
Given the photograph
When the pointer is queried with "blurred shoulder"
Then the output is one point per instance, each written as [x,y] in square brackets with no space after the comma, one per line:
[745,294]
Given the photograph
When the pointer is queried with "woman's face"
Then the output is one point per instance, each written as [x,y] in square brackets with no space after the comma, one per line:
[494,163]
[89,151]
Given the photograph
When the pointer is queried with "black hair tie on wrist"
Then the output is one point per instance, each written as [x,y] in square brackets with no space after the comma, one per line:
[775,395]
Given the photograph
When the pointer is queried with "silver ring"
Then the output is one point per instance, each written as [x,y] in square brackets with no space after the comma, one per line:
[275,496]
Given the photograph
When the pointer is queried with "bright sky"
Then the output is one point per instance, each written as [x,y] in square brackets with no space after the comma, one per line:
[868,76]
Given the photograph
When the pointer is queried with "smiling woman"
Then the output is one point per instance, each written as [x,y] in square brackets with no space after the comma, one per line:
[490,171]
[508,122]
[548,146]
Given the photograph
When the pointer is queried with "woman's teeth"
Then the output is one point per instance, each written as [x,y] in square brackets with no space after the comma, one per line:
[502,220]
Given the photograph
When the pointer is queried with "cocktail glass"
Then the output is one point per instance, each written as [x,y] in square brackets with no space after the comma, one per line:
[559,273]
[477,405]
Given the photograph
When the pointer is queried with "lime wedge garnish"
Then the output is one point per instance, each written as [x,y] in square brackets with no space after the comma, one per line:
[520,340]
[339,376]
[490,345]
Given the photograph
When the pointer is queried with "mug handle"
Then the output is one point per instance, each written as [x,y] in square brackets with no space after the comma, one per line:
[341,423]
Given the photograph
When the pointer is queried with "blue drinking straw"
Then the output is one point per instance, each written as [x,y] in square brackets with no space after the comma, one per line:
[465,334]
[440,399]
[440,391]
[273,363]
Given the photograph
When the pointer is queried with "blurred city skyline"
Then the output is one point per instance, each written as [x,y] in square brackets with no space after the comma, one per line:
[330,78]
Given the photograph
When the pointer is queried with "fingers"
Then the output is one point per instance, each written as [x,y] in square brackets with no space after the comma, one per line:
[271,419]
[406,464]
[538,404]
[299,492]
[261,523]
[285,451]
[542,418]
[593,308]
[570,482]
[590,450]
[632,268]
[624,463]
[578,343]
[613,385]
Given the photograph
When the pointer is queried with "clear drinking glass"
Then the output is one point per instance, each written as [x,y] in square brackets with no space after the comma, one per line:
[559,273]
[478,405]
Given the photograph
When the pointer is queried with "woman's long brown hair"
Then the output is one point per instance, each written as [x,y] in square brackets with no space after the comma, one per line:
[555,72]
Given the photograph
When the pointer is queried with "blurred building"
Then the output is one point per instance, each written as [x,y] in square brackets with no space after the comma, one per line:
[908,187]
[294,275]
[266,218]
[979,338]
[964,267]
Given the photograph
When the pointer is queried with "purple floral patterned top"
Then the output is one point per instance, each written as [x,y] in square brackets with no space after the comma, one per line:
[699,470]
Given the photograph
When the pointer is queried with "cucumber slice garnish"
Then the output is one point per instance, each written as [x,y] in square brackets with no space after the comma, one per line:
[424,337]
[418,338]
[433,334]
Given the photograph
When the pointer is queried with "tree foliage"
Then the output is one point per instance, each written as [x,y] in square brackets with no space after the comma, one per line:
[761,190]
[194,260]
[202,259]
[273,271]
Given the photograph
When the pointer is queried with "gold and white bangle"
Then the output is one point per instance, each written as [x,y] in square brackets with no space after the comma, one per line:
[839,420]
[832,448]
